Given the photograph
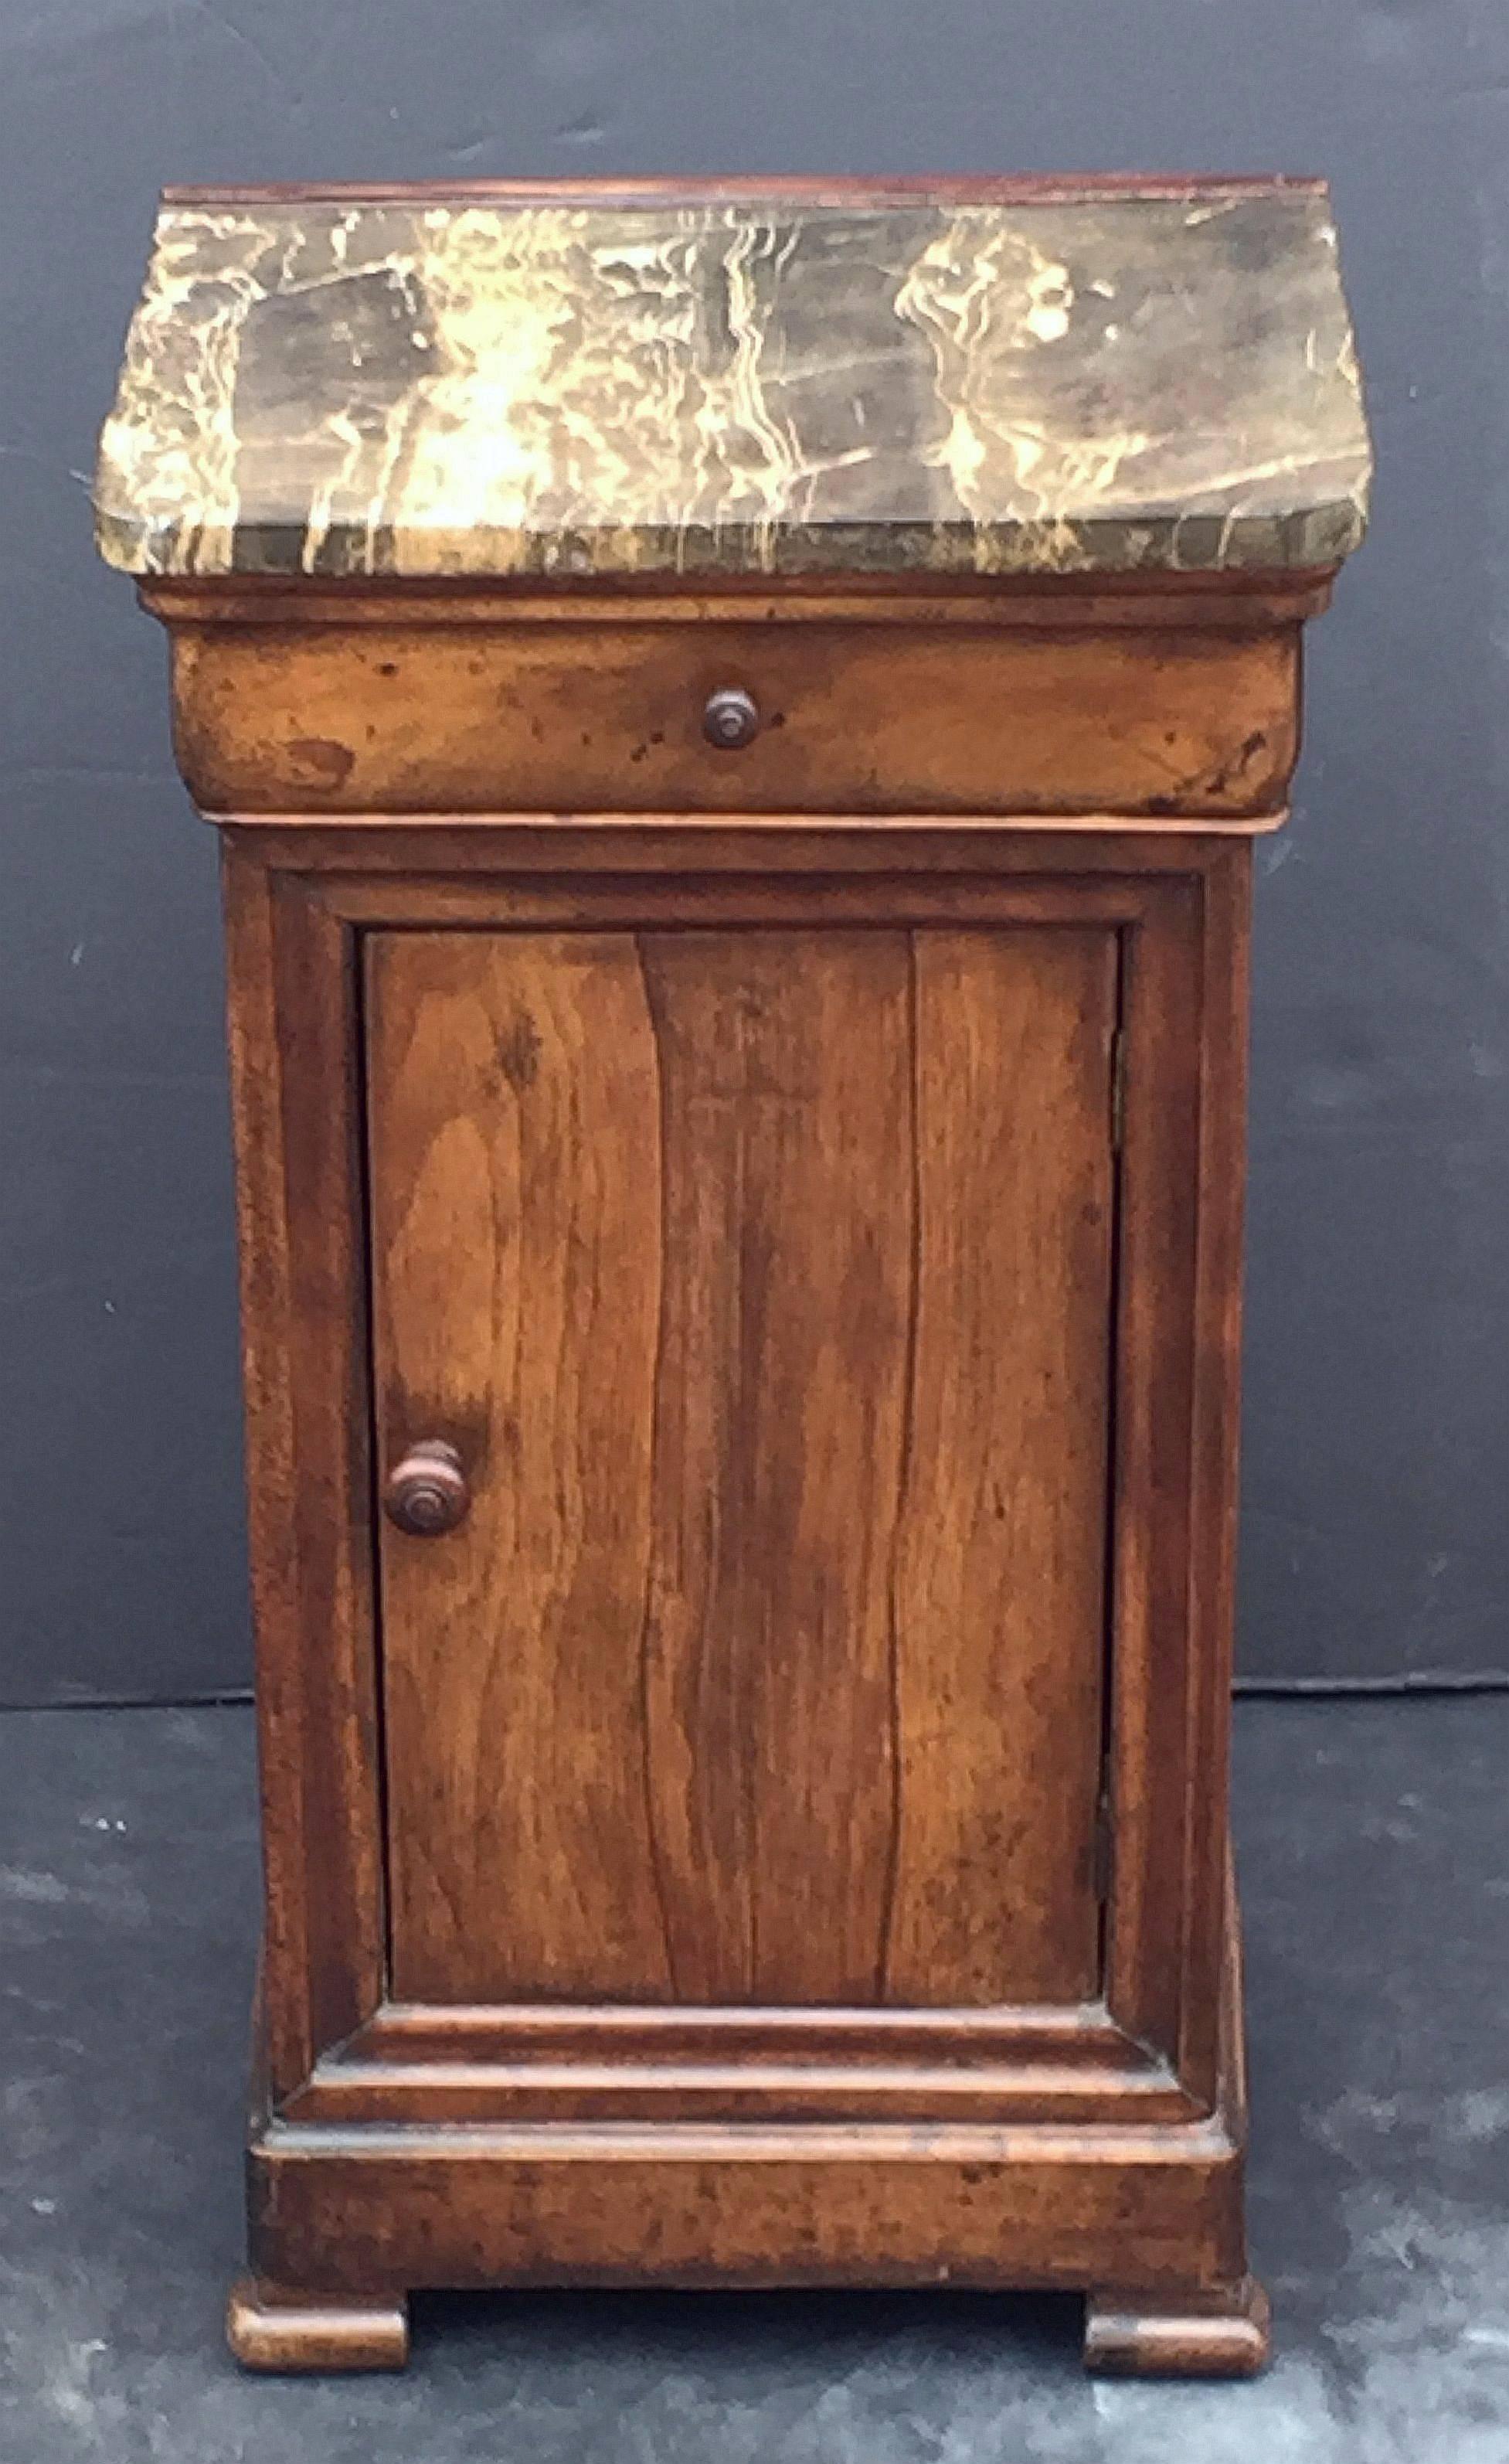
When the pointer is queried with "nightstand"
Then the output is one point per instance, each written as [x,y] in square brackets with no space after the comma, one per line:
[738,717]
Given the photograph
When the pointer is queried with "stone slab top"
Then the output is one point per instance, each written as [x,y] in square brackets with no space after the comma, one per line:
[938,377]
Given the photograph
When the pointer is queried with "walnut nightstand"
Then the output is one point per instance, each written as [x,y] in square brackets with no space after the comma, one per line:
[736,715]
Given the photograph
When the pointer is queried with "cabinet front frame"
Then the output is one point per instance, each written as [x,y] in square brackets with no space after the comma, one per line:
[299,896]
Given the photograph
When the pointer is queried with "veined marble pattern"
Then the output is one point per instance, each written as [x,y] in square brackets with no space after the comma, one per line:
[421,388]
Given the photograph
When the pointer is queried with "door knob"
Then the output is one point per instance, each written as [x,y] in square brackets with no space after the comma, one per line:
[426,1494]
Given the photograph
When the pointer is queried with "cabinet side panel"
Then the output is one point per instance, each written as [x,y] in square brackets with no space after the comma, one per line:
[1209,1924]
[999,1579]
[516,1202]
[1167,1734]
[294,1078]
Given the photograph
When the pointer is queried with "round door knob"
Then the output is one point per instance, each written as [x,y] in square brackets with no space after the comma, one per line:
[426,1494]
[731,720]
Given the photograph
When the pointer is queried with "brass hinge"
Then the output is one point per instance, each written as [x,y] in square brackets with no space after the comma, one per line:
[1118,1089]
[1102,1852]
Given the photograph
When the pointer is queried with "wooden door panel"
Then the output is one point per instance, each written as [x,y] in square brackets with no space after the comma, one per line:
[1000,1559]
[761,1279]
[515,1197]
[785,1104]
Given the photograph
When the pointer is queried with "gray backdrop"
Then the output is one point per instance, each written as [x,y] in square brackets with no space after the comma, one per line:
[1377,1460]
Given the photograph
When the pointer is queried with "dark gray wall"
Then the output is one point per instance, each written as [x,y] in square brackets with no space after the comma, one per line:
[1377,1471]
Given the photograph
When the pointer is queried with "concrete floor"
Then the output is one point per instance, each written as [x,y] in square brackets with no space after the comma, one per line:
[1374,1844]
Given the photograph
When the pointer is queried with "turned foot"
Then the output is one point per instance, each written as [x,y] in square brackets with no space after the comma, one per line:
[271,2327]
[1217,2335]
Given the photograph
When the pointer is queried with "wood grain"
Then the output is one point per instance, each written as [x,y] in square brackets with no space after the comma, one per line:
[743,2205]
[800,1585]
[1219,1174]
[1000,1569]
[516,1210]
[488,2064]
[787,1263]
[271,2327]
[376,2208]
[1220,2334]
[615,2091]
[1235,601]
[358,855]
[500,716]
[305,1342]
[619,2062]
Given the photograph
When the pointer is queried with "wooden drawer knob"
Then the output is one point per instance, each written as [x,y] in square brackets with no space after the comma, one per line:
[731,720]
[428,1494]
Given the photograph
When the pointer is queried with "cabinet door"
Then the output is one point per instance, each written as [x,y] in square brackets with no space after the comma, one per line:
[762,1280]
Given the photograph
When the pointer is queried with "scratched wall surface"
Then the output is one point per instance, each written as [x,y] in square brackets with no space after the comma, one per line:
[1377,1460]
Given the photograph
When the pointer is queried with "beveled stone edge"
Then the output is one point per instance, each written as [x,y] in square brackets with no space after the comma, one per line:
[1323,534]
[857,189]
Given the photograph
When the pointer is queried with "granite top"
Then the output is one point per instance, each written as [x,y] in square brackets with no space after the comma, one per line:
[945,381]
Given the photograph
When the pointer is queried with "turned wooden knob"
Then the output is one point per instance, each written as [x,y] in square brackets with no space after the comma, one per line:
[427,1493]
[731,720]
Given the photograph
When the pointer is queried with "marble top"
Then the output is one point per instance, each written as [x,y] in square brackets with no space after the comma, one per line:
[411,383]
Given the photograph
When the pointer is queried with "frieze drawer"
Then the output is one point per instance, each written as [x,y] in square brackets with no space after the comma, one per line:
[432,714]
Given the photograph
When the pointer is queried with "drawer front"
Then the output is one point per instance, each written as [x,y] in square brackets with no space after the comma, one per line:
[554,717]
[747,1646]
